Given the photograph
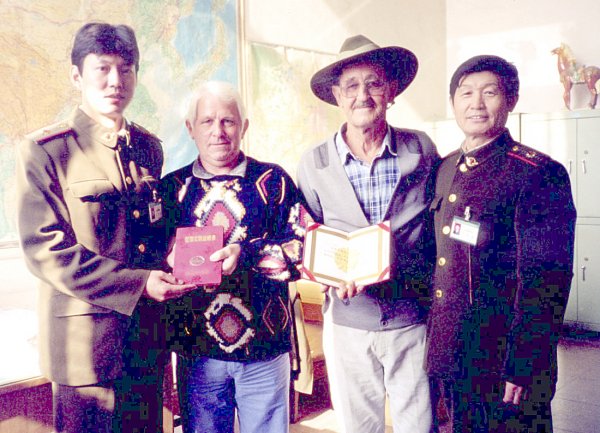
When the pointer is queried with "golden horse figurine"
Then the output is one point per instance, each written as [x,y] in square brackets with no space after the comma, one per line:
[572,73]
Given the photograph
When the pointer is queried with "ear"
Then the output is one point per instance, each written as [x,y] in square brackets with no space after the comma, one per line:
[244,128]
[337,93]
[512,103]
[452,105]
[75,77]
[189,127]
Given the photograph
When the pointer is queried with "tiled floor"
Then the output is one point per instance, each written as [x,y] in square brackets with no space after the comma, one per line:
[576,406]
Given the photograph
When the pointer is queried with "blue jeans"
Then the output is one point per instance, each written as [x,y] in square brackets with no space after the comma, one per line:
[211,390]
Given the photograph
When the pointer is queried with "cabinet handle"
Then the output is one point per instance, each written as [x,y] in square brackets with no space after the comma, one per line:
[583,166]
[583,273]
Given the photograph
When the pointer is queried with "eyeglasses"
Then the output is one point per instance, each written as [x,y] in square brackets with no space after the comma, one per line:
[373,87]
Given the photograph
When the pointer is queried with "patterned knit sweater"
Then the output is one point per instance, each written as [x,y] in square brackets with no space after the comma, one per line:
[248,317]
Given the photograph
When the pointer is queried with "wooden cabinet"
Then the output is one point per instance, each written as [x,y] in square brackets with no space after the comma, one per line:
[573,139]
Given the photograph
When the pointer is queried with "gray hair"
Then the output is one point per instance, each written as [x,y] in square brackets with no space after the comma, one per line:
[221,89]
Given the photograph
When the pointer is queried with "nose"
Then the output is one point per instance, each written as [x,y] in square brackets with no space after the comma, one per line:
[114,78]
[477,100]
[218,129]
[363,92]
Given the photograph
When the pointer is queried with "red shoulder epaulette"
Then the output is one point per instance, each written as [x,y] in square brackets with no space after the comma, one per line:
[526,155]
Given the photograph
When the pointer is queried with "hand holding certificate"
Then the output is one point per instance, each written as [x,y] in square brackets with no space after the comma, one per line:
[332,256]
[194,246]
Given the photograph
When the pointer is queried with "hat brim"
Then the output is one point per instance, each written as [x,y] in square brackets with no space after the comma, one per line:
[399,63]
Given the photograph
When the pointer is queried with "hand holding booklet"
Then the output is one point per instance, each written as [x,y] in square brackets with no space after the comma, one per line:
[194,246]
[332,256]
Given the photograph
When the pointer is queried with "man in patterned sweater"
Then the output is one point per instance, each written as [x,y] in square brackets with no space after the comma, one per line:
[233,340]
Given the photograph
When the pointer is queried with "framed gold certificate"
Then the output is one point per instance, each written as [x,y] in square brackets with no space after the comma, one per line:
[332,256]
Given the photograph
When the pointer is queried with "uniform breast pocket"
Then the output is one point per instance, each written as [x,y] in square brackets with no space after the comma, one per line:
[95,210]
[91,190]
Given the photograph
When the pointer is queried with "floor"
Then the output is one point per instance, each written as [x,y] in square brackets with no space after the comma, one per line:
[576,406]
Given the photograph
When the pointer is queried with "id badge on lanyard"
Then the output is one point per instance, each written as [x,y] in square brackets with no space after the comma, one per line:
[155,210]
[463,229]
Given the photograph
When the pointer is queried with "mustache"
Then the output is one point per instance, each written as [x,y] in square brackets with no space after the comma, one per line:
[365,104]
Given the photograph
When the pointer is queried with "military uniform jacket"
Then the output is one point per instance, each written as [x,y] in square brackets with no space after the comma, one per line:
[83,216]
[499,301]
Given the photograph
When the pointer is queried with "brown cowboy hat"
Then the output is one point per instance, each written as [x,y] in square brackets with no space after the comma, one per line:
[399,63]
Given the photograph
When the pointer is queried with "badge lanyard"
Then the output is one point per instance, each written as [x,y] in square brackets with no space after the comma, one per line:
[155,208]
[463,229]
[466,231]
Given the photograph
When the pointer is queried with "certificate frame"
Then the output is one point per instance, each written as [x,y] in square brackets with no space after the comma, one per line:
[332,256]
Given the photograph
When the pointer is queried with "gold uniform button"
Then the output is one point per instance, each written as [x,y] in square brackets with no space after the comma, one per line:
[515,148]
[446,230]
[463,167]
[438,293]
[136,214]
[442,261]
[142,248]
[129,180]
[452,198]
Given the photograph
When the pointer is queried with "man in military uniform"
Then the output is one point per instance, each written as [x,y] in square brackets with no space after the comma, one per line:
[504,222]
[87,213]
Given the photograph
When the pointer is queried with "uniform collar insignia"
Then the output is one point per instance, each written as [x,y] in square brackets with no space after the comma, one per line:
[471,161]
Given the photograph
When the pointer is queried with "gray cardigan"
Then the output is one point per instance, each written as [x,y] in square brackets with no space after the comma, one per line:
[332,201]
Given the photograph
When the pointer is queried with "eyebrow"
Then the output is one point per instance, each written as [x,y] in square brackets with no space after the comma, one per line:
[370,76]
[496,84]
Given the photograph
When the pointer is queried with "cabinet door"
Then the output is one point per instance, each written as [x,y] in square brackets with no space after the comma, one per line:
[588,275]
[554,137]
[588,167]
[571,312]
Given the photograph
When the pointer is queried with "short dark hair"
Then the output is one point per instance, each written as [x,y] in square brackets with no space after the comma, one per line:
[506,72]
[102,38]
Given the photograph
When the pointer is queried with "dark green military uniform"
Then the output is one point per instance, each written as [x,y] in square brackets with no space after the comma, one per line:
[504,223]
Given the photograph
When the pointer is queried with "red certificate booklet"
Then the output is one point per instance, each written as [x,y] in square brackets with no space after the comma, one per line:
[193,247]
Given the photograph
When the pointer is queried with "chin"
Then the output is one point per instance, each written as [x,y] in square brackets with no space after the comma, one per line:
[113,110]
[364,122]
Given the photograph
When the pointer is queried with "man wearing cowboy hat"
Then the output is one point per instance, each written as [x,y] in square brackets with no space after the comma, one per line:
[366,173]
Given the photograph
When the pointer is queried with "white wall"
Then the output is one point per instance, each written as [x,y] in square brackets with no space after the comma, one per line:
[524,32]
[323,25]
[443,33]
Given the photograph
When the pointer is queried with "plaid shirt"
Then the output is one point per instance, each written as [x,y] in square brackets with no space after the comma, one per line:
[373,184]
